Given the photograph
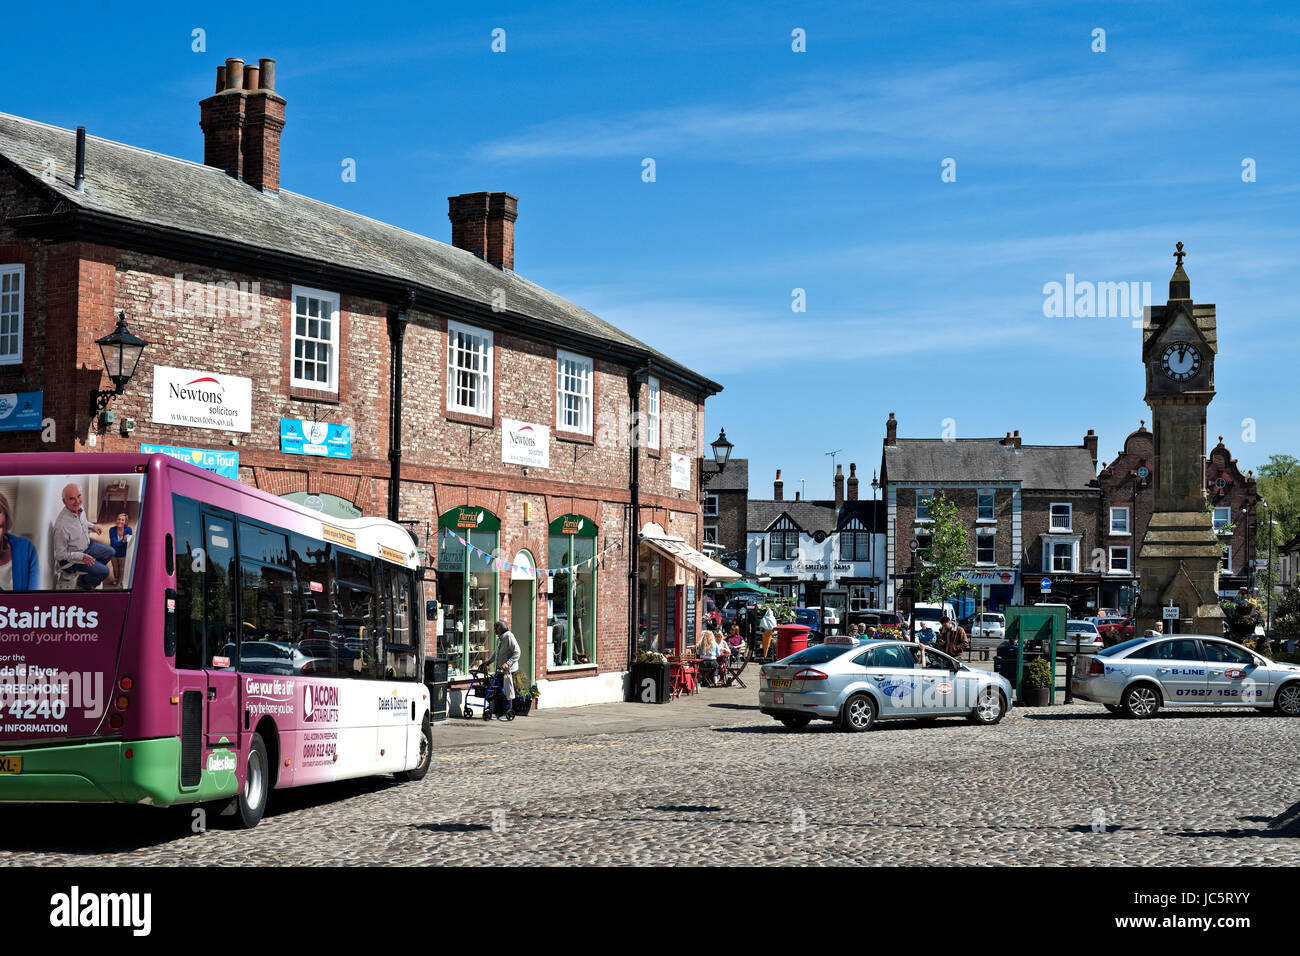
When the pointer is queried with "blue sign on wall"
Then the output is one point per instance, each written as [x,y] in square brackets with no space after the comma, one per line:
[224,463]
[301,437]
[20,411]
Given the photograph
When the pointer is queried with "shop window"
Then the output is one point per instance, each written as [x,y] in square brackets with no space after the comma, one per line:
[467,587]
[571,603]
[860,597]
[650,603]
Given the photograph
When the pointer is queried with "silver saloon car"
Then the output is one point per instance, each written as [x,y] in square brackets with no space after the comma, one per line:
[855,683]
[1140,676]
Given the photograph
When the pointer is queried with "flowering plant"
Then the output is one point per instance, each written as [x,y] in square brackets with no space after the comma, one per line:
[650,657]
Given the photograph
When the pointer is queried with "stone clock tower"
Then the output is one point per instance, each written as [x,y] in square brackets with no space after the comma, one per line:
[1178,562]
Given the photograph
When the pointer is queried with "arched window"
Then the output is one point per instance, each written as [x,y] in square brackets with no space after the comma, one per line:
[467,586]
[571,606]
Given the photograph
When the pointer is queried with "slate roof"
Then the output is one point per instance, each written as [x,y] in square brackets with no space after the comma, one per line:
[735,478]
[814,516]
[1054,467]
[141,186]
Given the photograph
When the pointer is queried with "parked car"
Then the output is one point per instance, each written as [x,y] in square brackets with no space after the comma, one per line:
[1081,637]
[1139,676]
[931,614]
[1116,633]
[875,617]
[989,624]
[273,657]
[854,684]
[1108,612]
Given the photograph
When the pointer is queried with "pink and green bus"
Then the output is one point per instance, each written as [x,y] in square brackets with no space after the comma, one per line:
[169,636]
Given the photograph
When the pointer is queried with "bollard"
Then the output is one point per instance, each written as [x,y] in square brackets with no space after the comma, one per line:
[1069,673]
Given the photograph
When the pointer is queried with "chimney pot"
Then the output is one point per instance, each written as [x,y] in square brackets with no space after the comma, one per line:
[839,487]
[251,77]
[853,482]
[267,65]
[221,78]
[234,73]
[778,487]
[891,430]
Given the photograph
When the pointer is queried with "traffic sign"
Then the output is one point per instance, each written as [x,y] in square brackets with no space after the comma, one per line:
[1136,582]
[1170,613]
[1045,584]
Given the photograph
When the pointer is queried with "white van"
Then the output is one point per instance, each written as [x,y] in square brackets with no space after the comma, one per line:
[928,615]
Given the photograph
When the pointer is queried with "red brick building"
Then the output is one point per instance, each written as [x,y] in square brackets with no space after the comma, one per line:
[519,424]
[1126,484]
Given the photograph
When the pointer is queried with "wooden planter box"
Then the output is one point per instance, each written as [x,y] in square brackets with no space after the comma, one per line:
[650,684]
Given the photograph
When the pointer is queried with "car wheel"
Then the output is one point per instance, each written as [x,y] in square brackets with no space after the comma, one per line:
[990,706]
[426,754]
[859,714]
[1287,701]
[795,721]
[1141,701]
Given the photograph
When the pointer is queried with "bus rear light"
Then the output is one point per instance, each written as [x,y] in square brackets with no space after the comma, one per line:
[126,683]
[122,702]
[176,700]
[115,721]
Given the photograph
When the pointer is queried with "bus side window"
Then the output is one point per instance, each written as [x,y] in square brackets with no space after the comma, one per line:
[399,652]
[188,538]
[356,618]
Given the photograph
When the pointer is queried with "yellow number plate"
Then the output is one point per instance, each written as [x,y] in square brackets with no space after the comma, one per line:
[778,683]
[11,764]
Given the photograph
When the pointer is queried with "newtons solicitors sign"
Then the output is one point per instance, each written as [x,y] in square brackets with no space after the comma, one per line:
[196,399]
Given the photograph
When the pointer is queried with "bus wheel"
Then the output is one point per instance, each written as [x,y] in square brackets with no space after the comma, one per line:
[426,754]
[251,802]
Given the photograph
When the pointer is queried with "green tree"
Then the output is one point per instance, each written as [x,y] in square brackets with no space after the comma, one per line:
[1286,614]
[949,552]
[1278,482]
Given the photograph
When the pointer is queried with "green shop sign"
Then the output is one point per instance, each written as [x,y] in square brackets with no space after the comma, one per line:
[470,519]
[575,525]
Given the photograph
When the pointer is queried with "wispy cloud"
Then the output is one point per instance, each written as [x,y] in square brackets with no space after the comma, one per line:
[995,109]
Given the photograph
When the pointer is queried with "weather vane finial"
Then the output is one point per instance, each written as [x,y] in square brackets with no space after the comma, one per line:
[1179,255]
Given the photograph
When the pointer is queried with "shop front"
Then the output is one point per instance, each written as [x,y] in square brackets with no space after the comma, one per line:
[468,588]
[991,590]
[669,584]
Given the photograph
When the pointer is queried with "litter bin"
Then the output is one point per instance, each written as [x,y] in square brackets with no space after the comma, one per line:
[790,639]
[435,678]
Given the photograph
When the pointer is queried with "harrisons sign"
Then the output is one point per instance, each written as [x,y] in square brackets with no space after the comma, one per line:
[198,399]
[525,444]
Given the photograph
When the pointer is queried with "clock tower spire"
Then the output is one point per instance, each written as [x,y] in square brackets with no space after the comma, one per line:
[1179,557]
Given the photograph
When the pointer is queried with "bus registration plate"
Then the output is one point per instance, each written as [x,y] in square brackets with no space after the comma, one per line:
[11,764]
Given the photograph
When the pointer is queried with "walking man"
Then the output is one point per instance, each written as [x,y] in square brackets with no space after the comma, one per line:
[952,637]
[507,660]
[72,544]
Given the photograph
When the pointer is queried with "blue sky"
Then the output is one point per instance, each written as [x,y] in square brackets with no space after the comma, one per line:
[778,170]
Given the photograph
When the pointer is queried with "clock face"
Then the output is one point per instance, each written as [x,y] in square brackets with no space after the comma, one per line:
[1180,361]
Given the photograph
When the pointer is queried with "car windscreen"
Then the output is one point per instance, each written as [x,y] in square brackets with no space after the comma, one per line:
[1122,647]
[818,655]
[928,613]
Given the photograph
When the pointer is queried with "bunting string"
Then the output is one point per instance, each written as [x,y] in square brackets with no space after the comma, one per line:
[501,565]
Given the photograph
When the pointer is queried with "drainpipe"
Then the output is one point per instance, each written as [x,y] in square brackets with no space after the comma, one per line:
[634,527]
[398,318]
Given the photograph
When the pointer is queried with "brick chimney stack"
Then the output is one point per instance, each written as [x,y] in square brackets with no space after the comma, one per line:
[891,430]
[1090,443]
[778,487]
[853,482]
[484,224]
[242,123]
[839,487]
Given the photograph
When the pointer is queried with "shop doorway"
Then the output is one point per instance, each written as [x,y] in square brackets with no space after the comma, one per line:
[523,615]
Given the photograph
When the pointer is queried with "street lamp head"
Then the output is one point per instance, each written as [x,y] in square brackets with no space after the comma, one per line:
[121,350]
[721,449]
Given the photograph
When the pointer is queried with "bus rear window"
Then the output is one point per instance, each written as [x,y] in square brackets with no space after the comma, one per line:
[69,532]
